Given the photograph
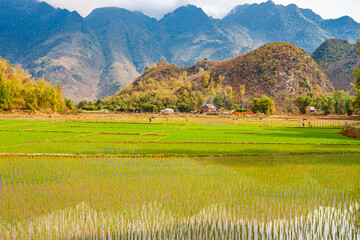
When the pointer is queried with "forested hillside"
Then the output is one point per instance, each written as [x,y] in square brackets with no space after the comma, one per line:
[19,91]
[281,71]
[338,58]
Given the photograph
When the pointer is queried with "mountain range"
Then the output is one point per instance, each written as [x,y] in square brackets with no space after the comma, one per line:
[95,56]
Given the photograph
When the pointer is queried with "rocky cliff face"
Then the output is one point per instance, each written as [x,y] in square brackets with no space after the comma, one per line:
[98,55]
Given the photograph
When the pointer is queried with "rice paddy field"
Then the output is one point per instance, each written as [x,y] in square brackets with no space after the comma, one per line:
[111,177]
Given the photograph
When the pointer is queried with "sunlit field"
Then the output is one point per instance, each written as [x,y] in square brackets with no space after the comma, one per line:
[177,179]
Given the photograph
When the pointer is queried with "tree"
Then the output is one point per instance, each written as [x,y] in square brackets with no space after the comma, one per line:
[82,104]
[218,101]
[69,104]
[356,86]
[343,102]
[327,103]
[205,78]
[149,107]
[200,99]
[303,103]
[263,105]
[184,107]
[350,105]
[340,106]
[242,93]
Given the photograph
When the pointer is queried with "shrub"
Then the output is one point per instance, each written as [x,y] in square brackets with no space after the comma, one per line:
[303,103]
[122,109]
[149,107]
[183,107]
[69,104]
[242,110]
[89,108]
[263,105]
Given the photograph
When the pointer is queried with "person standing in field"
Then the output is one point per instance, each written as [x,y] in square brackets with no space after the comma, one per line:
[149,119]
[303,123]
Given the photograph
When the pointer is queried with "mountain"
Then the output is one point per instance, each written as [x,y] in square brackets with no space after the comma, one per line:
[94,57]
[279,70]
[189,35]
[342,28]
[53,43]
[269,22]
[127,44]
[338,58]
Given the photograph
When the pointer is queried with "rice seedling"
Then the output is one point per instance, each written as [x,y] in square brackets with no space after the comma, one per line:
[274,197]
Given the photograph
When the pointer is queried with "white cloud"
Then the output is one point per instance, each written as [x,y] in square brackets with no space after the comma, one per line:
[214,8]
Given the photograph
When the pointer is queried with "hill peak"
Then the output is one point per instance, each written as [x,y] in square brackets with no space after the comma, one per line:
[267,3]
[346,20]
[279,70]
[188,11]
[109,12]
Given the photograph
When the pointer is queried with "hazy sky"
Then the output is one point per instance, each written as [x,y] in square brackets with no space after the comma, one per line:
[214,8]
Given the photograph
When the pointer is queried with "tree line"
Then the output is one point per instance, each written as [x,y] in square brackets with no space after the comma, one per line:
[19,91]
[338,102]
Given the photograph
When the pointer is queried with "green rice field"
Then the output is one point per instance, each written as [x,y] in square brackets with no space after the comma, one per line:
[178,179]
[91,138]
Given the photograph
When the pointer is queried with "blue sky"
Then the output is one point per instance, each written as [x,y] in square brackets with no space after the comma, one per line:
[215,8]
